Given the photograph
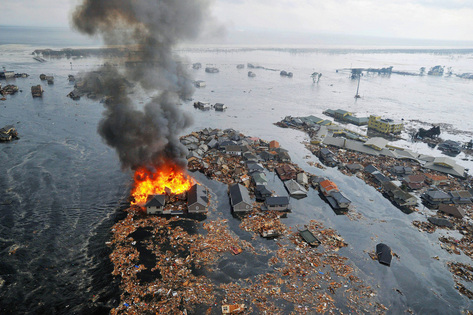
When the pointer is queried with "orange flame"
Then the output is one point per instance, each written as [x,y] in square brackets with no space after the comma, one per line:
[167,176]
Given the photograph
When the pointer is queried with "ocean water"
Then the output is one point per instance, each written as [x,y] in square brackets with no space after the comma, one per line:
[62,188]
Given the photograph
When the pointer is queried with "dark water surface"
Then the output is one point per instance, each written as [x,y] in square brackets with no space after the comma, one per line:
[62,187]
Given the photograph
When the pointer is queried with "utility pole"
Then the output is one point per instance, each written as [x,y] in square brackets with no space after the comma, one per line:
[358,87]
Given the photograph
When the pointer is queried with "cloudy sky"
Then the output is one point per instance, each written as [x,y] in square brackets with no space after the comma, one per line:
[414,19]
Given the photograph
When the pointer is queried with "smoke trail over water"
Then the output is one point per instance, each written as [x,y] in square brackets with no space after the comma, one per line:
[153,28]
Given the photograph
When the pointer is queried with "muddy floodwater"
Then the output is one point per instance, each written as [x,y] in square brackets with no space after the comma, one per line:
[62,188]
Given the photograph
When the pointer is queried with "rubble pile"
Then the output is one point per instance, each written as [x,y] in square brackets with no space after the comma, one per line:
[175,288]
[218,241]
[266,224]
[424,226]
[9,89]
[462,272]
[8,133]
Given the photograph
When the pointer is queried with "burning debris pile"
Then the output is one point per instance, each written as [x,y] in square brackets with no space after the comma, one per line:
[168,179]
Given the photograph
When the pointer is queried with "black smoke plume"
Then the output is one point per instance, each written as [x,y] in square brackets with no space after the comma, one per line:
[150,29]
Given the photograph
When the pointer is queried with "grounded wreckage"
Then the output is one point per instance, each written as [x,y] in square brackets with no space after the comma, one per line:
[8,133]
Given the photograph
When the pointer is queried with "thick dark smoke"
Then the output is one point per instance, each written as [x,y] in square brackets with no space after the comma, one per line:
[152,28]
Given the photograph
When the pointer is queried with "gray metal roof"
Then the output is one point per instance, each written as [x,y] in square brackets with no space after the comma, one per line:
[437,194]
[455,170]
[339,197]
[233,148]
[380,177]
[259,177]
[354,166]
[197,194]
[377,142]
[294,188]
[357,146]
[453,210]
[276,201]
[239,193]
[371,169]
[325,151]
[263,190]
[254,166]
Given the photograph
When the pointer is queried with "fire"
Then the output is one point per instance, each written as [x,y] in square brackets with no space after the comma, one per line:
[168,176]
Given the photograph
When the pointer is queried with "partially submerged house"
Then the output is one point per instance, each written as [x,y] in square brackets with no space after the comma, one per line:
[277,204]
[436,180]
[254,167]
[327,186]
[461,197]
[380,178]
[7,74]
[333,195]
[452,210]
[400,170]
[436,197]
[355,167]
[273,145]
[239,198]
[262,192]
[286,172]
[302,179]
[370,169]
[219,107]
[399,196]
[414,182]
[197,199]
[202,105]
[200,84]
[259,178]
[155,204]
[295,189]
[37,91]
[327,157]
[341,202]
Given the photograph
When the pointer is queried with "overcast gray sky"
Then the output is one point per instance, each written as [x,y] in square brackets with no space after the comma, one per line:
[423,19]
